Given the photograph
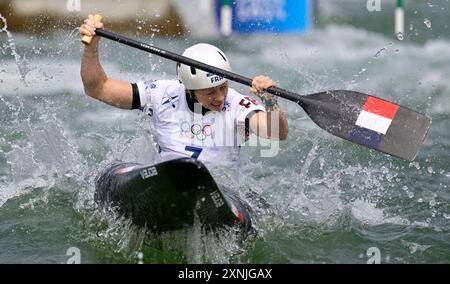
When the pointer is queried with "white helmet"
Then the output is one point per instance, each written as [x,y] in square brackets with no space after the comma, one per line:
[195,79]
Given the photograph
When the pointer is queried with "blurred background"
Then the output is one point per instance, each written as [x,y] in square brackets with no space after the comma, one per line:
[332,201]
[421,20]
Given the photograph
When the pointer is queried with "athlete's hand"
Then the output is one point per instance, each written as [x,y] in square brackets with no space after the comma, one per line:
[89,26]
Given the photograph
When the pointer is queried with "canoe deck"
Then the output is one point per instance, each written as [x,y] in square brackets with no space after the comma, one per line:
[169,195]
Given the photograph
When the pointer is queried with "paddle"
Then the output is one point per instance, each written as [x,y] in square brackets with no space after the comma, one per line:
[354,116]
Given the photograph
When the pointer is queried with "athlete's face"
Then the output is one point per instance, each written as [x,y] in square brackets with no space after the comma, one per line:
[213,98]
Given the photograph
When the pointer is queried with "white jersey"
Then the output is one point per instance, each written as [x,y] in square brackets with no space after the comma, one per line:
[214,137]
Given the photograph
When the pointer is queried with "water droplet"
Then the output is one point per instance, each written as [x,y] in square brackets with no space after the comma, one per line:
[379,52]
[400,36]
[360,72]
[405,187]
[3,24]
[420,200]
[427,23]
[21,63]
[430,170]
[410,194]
[432,202]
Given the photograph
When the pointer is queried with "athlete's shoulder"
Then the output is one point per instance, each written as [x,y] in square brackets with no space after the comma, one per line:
[169,93]
[240,101]
[161,84]
[158,90]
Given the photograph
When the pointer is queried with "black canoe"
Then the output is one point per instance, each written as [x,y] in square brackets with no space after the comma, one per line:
[169,195]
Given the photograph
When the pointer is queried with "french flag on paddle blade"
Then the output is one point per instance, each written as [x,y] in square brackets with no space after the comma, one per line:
[373,122]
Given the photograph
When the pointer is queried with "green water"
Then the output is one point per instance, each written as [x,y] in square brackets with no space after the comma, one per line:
[332,201]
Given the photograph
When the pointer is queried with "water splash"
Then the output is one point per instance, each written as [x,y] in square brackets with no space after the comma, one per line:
[22,65]
[415,247]
[380,52]
[367,213]
[427,23]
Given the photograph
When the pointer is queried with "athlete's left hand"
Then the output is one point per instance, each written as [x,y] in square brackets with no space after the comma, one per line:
[260,83]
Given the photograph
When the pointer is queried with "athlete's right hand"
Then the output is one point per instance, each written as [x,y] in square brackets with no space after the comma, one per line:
[89,26]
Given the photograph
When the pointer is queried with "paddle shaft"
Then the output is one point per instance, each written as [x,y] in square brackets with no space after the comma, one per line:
[197,64]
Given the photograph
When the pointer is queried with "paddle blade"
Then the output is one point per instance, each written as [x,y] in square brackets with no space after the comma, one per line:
[369,121]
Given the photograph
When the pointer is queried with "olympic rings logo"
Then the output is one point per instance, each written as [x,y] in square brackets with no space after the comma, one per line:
[196,130]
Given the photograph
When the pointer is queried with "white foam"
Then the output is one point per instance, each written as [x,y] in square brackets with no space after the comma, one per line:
[14,189]
[367,213]
[415,247]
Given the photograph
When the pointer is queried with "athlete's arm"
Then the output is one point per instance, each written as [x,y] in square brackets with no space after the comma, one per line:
[96,84]
[273,123]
